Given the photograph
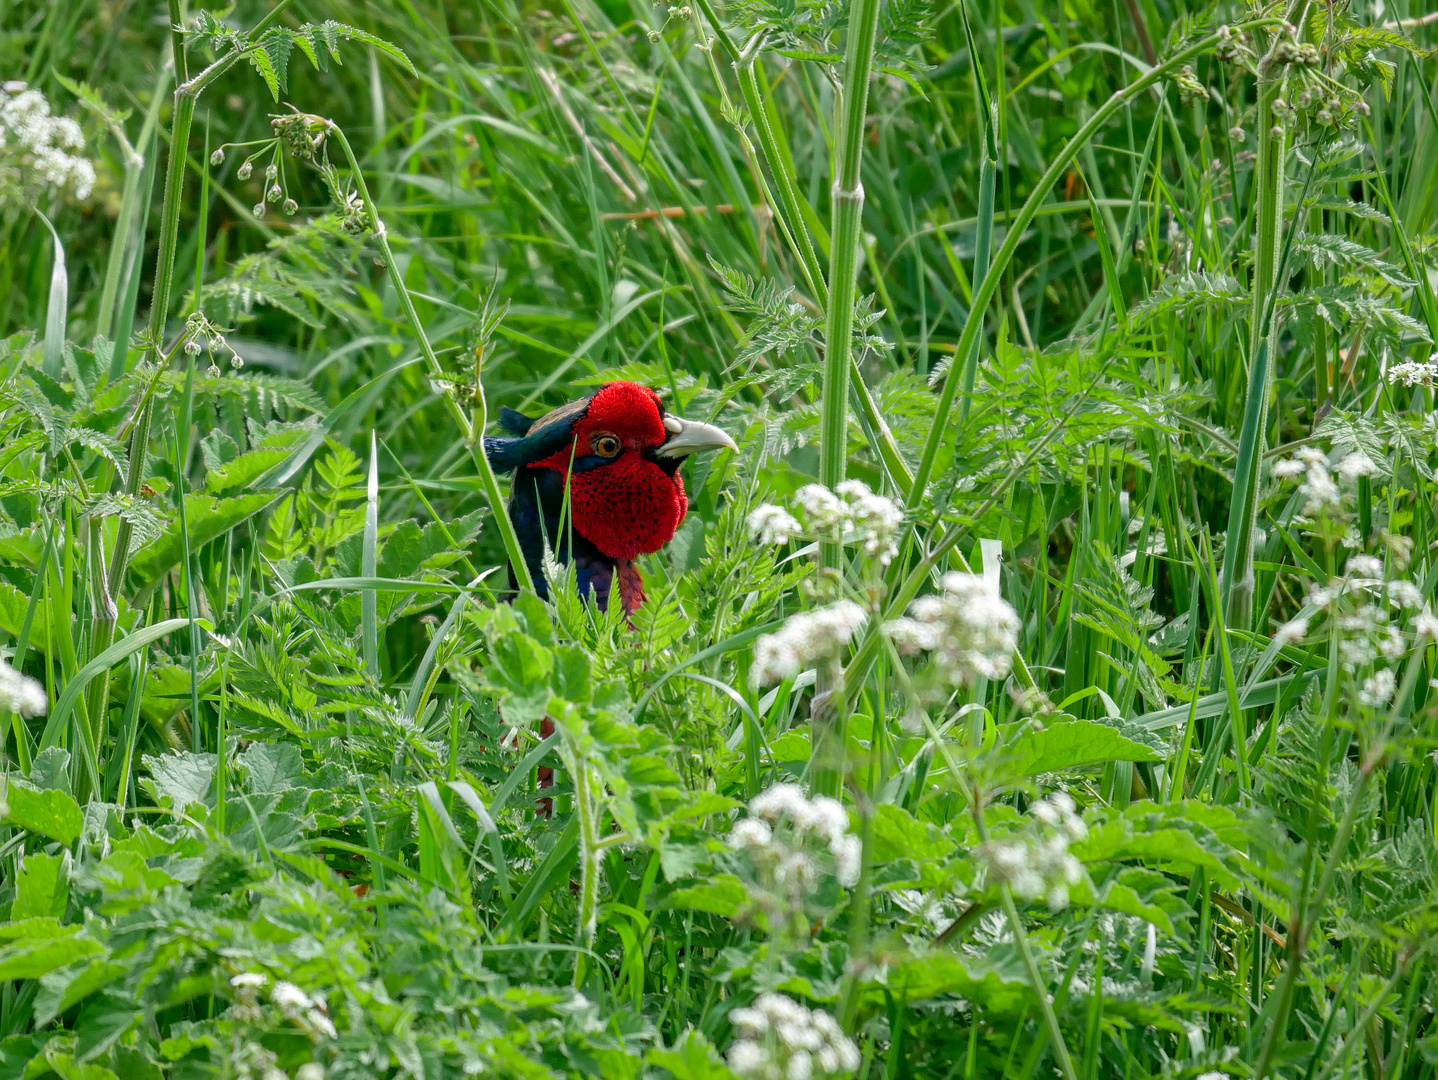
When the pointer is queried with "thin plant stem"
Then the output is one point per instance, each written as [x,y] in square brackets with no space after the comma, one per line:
[473,435]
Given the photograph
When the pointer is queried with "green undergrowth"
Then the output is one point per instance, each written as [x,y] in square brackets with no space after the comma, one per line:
[1081,724]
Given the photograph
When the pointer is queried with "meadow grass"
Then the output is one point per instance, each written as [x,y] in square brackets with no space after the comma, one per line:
[1118,667]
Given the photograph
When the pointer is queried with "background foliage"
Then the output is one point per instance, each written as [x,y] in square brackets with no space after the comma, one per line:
[293,737]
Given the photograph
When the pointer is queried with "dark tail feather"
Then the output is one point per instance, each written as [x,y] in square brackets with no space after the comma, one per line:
[505,455]
[516,423]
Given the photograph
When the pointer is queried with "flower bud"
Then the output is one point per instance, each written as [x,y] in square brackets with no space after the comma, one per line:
[290,207]
[192,347]
[272,172]
[258,209]
[218,157]
[243,172]
[274,193]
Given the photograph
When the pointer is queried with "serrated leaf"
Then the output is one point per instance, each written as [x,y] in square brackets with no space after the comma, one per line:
[208,519]
[51,813]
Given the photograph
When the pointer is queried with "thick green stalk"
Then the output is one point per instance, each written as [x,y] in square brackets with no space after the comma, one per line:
[985,290]
[983,240]
[984,223]
[796,232]
[473,436]
[1238,579]
[846,216]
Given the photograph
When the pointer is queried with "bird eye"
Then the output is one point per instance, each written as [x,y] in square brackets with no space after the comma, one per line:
[605,445]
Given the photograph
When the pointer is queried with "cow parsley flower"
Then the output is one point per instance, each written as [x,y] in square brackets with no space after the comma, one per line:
[21,694]
[873,520]
[1365,566]
[1355,465]
[786,808]
[35,149]
[1378,689]
[804,640]
[772,525]
[1291,632]
[970,630]
[823,509]
[290,997]
[779,1039]
[1425,625]
[1414,372]
[1035,863]
[851,513]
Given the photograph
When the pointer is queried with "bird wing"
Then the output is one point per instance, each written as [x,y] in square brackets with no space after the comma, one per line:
[536,506]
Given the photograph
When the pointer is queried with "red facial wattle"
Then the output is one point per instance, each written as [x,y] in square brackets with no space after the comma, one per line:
[629,506]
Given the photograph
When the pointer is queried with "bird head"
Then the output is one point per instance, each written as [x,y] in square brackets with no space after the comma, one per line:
[618,452]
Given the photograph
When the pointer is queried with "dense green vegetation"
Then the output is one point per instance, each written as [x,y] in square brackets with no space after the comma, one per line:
[1080,721]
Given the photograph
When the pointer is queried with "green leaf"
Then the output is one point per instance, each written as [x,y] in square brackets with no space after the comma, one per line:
[61,990]
[260,60]
[180,779]
[50,813]
[102,1022]
[209,518]
[1071,744]
[693,1057]
[722,895]
[244,469]
[43,886]
[894,833]
[33,957]
[51,769]
[998,980]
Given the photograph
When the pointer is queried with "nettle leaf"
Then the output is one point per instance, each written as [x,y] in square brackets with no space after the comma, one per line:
[180,779]
[52,812]
[243,470]
[1071,744]
[208,519]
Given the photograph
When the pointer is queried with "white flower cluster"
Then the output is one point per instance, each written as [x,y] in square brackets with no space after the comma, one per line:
[779,1039]
[772,525]
[308,1012]
[804,640]
[782,816]
[21,694]
[1414,372]
[969,628]
[850,513]
[1320,492]
[1037,863]
[35,149]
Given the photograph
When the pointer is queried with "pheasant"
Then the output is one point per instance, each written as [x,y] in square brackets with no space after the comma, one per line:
[618,453]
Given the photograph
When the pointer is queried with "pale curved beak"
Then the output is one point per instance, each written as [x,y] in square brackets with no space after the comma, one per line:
[691,436]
